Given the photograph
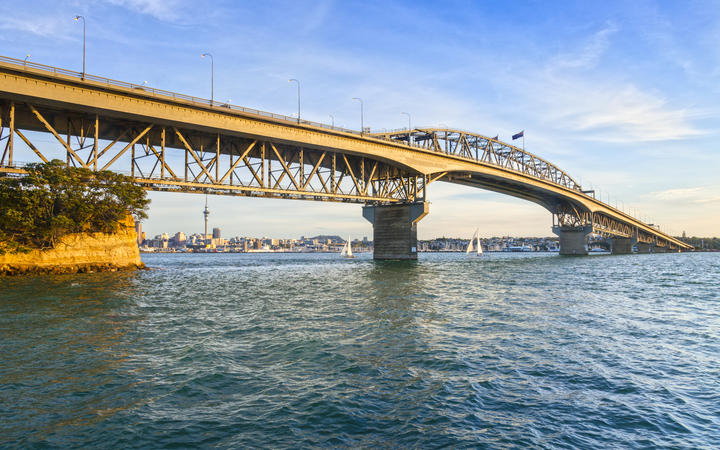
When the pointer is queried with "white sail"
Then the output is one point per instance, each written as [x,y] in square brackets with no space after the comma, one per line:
[346,251]
[472,240]
[475,242]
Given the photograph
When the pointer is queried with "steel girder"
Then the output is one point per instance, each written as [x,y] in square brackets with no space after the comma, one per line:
[570,217]
[169,158]
[483,149]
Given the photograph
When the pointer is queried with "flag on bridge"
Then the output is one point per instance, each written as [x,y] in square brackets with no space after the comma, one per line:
[519,135]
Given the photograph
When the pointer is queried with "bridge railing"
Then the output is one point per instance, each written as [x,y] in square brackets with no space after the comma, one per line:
[154,92]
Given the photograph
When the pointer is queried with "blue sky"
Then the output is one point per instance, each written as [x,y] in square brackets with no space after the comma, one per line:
[622,95]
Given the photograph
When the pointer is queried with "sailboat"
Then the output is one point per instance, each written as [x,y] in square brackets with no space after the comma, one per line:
[475,240]
[346,251]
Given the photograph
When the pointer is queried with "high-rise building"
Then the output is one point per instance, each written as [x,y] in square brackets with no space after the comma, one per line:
[180,239]
[139,231]
[216,233]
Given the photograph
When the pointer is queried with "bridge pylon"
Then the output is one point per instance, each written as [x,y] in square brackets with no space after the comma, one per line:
[573,240]
[622,245]
[395,229]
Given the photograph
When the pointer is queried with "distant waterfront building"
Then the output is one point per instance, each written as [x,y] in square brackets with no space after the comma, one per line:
[180,239]
[216,233]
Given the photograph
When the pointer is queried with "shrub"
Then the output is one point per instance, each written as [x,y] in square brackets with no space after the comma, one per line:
[52,200]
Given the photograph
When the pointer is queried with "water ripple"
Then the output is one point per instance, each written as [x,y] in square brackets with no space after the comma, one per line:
[284,351]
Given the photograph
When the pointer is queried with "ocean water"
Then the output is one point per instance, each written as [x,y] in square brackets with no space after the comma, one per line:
[291,350]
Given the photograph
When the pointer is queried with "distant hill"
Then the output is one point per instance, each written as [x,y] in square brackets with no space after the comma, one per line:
[324,238]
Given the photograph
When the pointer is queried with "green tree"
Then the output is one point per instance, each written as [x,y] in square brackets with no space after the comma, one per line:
[52,200]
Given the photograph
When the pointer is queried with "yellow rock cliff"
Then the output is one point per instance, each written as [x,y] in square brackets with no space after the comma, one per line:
[82,252]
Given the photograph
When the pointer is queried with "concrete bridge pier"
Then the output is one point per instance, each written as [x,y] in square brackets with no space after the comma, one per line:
[623,245]
[395,228]
[573,241]
[644,247]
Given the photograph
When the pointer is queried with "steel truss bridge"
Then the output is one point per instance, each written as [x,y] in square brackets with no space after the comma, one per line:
[178,143]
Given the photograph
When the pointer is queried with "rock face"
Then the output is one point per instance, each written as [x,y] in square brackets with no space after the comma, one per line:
[78,253]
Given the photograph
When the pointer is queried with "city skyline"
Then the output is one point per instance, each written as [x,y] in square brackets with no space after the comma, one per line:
[618,95]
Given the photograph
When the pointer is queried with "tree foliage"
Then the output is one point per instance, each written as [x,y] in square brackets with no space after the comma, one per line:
[706,243]
[52,200]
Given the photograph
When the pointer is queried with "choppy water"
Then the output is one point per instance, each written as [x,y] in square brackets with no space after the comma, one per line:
[310,350]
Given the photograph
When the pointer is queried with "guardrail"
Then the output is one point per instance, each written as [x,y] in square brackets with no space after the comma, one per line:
[154,92]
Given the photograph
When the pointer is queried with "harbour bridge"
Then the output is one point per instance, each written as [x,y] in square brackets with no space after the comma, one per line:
[178,143]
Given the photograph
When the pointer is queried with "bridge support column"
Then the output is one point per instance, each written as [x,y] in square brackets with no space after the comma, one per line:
[622,245]
[573,241]
[395,229]
[644,247]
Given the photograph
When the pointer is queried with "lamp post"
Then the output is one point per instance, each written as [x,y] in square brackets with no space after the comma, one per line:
[362,116]
[332,118]
[212,77]
[298,86]
[77,18]
[409,128]
[26,58]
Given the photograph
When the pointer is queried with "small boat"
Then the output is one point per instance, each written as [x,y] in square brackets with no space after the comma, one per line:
[478,246]
[517,248]
[346,251]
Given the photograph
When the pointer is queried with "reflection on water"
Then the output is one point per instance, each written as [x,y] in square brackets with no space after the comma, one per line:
[312,350]
[63,356]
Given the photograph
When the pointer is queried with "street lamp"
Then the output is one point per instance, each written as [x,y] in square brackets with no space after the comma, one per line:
[409,128]
[77,18]
[298,85]
[26,58]
[212,77]
[332,118]
[362,116]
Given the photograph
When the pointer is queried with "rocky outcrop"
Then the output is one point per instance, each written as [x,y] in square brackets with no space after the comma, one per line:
[78,253]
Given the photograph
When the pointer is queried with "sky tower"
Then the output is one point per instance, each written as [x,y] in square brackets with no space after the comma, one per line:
[206,213]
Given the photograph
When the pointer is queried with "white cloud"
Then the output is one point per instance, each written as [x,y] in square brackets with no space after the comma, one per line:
[698,194]
[166,10]
[589,55]
[42,26]
[617,112]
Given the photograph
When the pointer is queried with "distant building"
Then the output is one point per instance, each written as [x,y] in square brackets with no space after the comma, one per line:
[179,239]
[139,231]
[216,233]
